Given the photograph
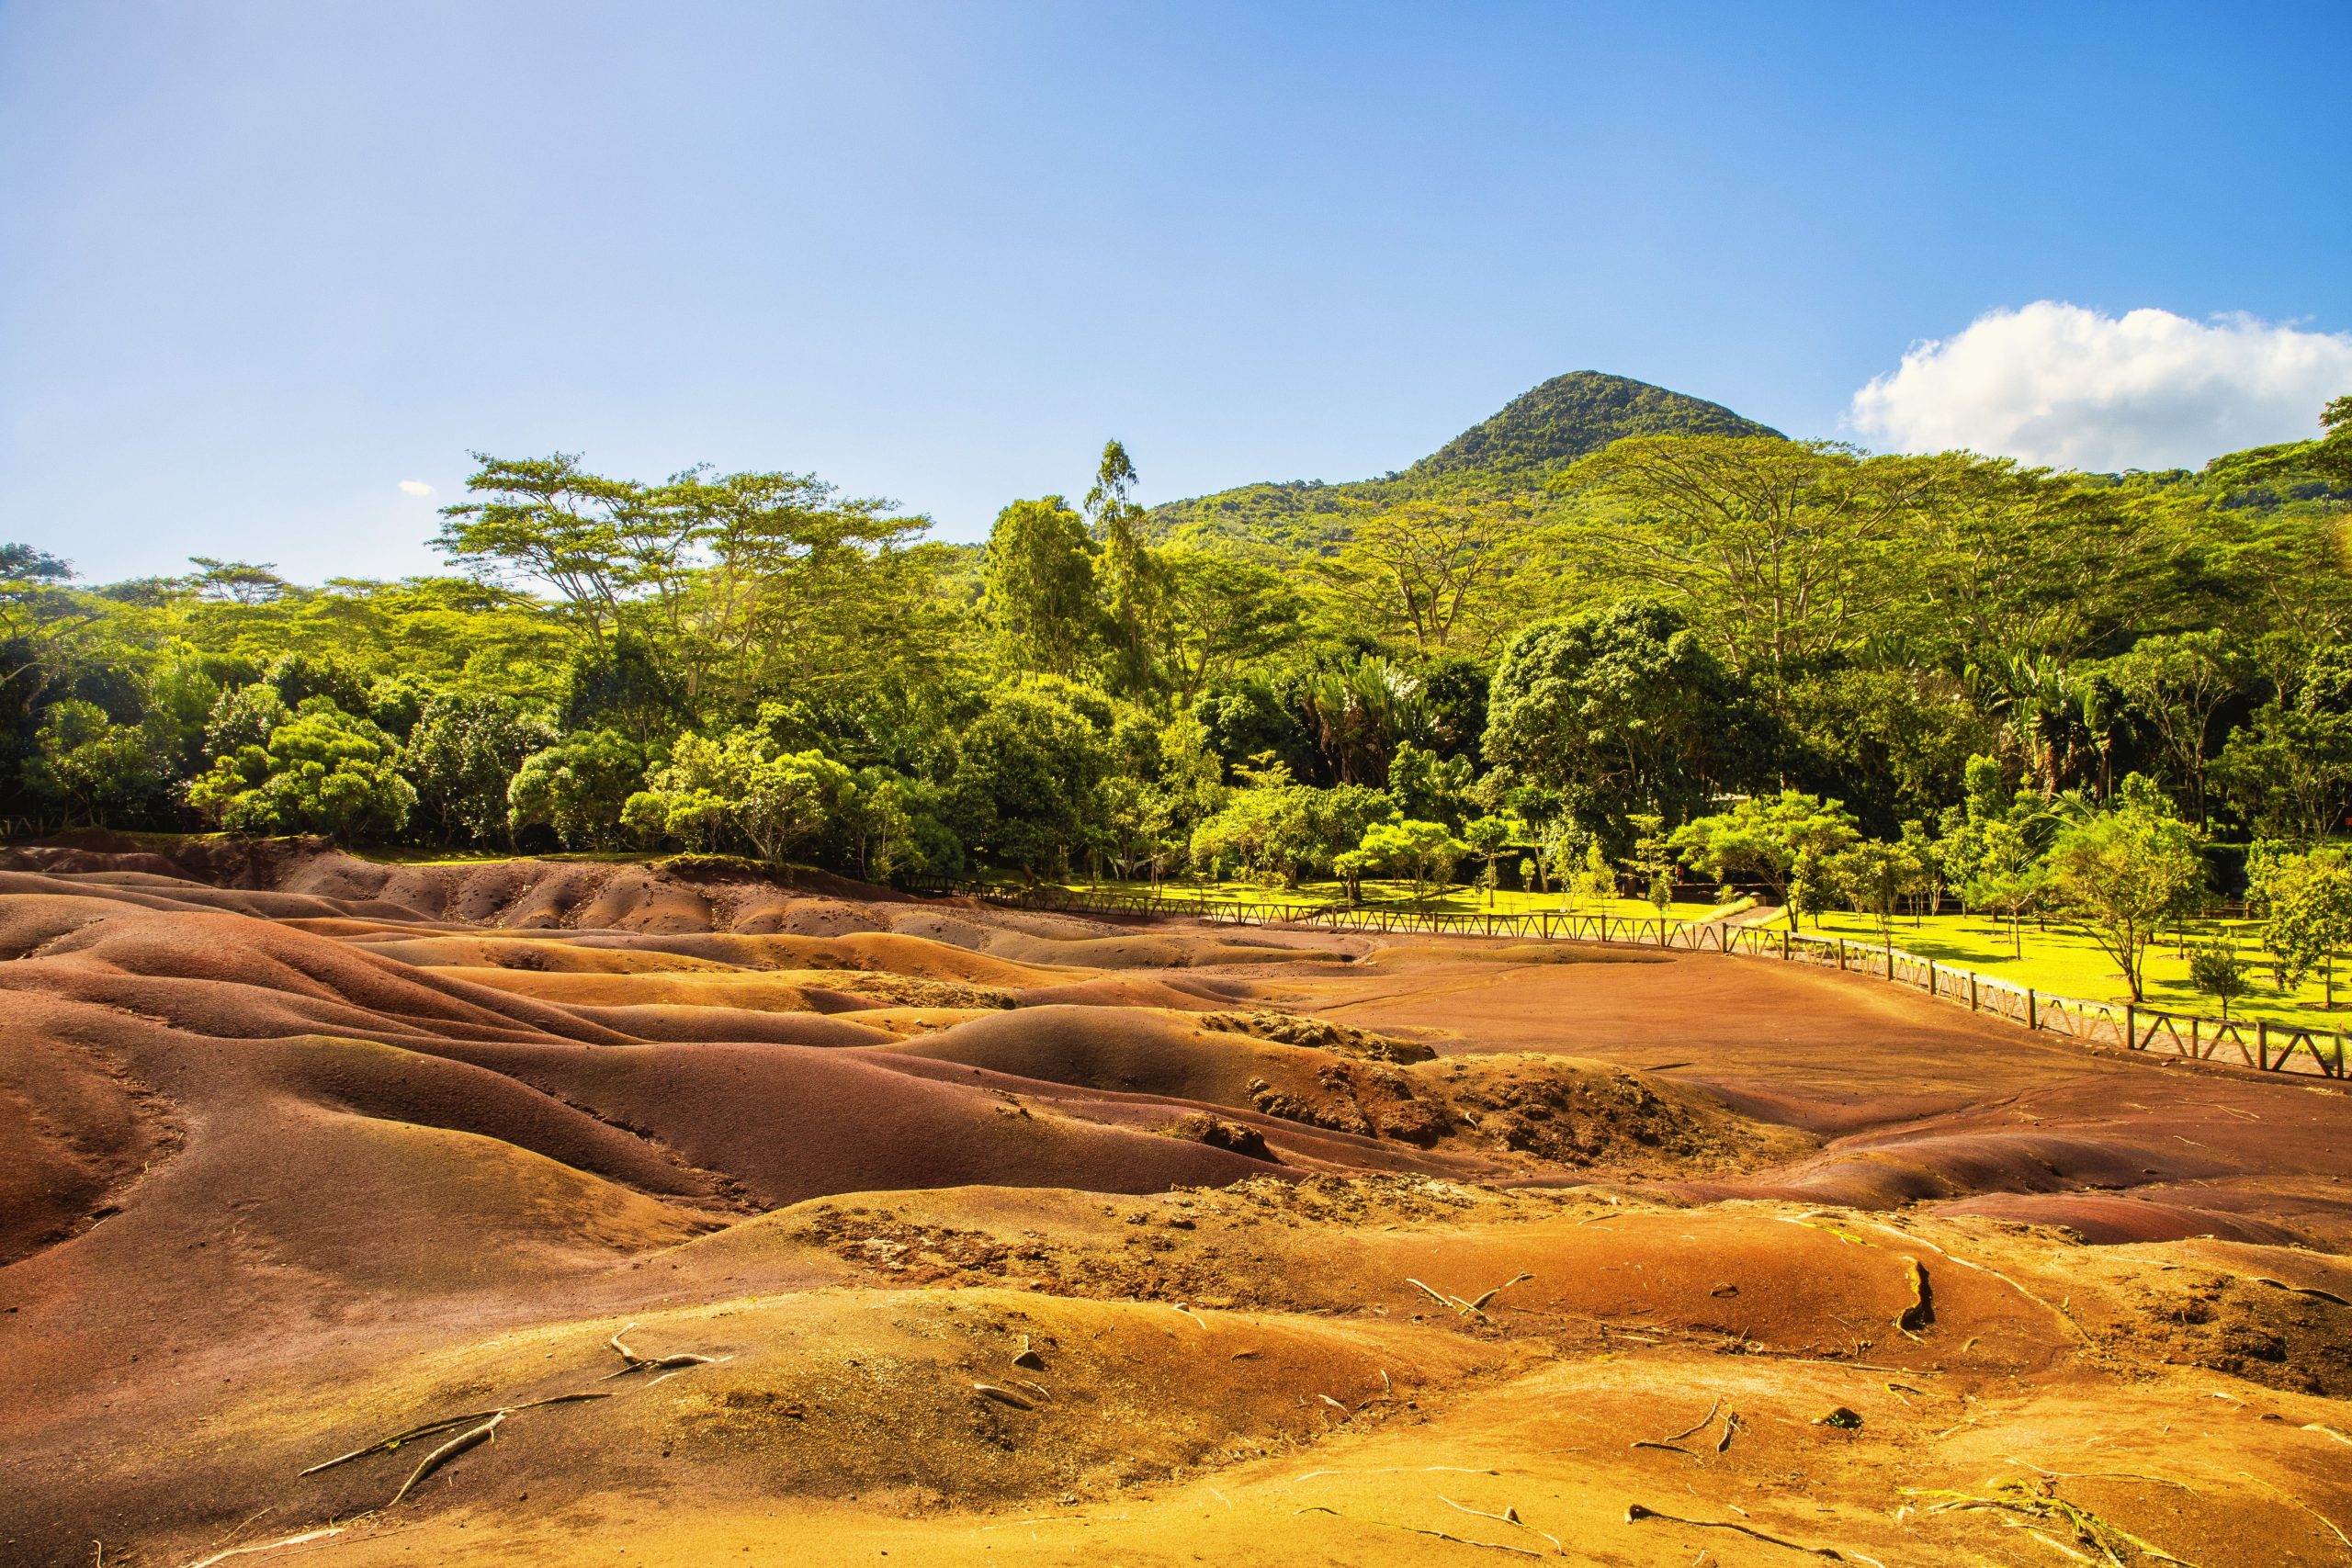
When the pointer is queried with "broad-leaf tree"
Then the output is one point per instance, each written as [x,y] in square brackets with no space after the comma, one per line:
[2125,874]
[1775,839]
[1040,573]
[1621,710]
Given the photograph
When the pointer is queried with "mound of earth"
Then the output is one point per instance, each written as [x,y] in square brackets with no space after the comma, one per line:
[682,1214]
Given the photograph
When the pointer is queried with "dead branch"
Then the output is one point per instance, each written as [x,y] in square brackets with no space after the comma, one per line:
[1635,1513]
[1480,1304]
[2303,1506]
[1416,1529]
[1510,1516]
[445,1452]
[2311,1291]
[1695,1427]
[1438,1296]
[2015,1497]
[320,1534]
[386,1445]
[679,1362]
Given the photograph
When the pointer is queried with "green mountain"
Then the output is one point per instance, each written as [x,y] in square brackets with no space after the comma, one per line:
[1535,434]
[1541,431]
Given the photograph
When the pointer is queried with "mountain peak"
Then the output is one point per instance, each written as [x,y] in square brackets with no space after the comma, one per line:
[1535,435]
[1548,427]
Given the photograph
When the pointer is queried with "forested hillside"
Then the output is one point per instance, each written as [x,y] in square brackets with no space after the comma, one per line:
[1541,431]
[1579,639]
[1534,436]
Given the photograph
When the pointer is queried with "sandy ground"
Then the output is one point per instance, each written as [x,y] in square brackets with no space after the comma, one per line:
[588,1214]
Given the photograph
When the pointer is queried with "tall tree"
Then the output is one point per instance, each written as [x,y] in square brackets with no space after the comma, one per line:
[593,540]
[1039,576]
[1621,710]
[2307,901]
[42,623]
[2179,684]
[1129,575]
[2127,873]
[2000,560]
[1429,569]
[792,584]
[1222,612]
[1777,548]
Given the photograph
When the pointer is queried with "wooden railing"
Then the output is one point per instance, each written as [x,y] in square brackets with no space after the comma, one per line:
[2260,1045]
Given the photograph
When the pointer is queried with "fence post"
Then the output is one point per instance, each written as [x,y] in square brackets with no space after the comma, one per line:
[2262,1044]
[1971,990]
[2130,1028]
[1931,977]
[2033,1019]
[1785,945]
[1841,956]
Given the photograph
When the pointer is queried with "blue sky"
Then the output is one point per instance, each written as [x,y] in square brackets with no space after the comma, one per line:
[261,263]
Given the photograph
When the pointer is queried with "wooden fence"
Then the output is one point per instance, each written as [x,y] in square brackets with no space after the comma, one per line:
[2267,1047]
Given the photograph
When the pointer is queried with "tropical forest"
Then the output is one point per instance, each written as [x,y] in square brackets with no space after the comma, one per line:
[1614,643]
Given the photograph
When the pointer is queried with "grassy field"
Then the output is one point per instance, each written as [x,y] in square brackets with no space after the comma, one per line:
[1458,899]
[2057,959]
[2066,961]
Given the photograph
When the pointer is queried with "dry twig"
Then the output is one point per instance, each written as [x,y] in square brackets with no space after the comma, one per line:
[2303,1506]
[1635,1513]
[1510,1516]
[1417,1530]
[306,1536]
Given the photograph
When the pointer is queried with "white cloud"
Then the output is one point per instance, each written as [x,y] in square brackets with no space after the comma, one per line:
[2059,385]
[415,487]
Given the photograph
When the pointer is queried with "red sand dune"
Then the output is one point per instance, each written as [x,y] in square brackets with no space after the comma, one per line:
[297,1151]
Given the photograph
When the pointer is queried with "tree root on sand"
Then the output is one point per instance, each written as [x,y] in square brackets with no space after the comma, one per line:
[1417,1530]
[1475,1308]
[306,1536]
[2021,1500]
[386,1445]
[683,1361]
[1635,1513]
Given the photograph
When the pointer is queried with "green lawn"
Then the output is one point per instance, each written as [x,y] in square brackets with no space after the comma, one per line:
[2058,959]
[1458,899]
[2066,961]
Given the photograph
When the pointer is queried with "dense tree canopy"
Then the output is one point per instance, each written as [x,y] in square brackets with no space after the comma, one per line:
[1621,710]
[1662,643]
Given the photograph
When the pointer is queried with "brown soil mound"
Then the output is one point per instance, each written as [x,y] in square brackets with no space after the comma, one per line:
[685,1213]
